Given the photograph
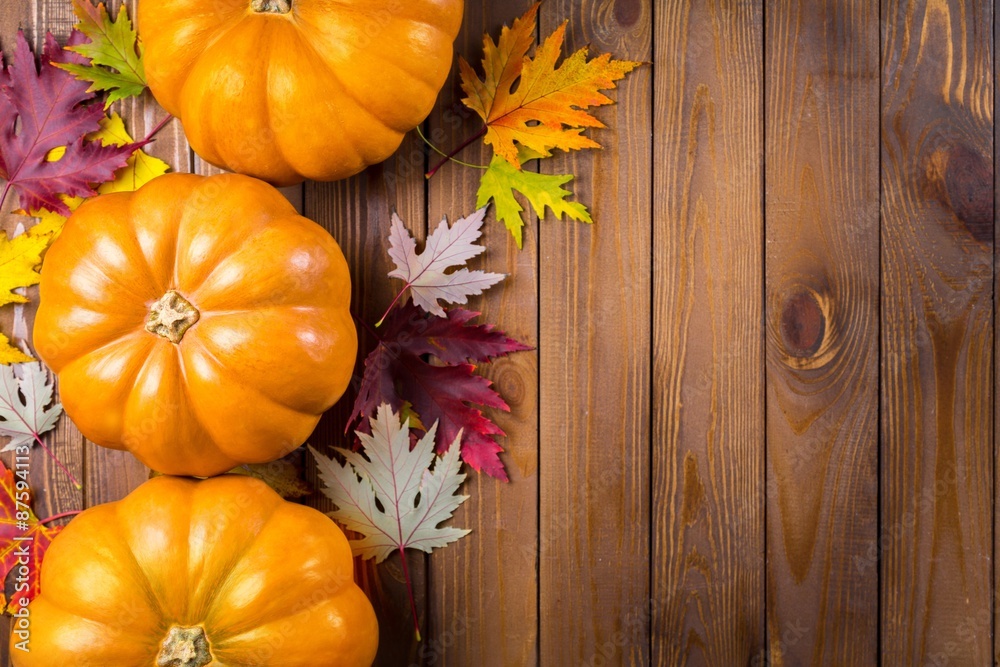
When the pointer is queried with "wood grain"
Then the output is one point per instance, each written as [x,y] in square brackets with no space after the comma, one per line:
[821,313]
[708,389]
[937,332]
[357,212]
[594,364]
[483,590]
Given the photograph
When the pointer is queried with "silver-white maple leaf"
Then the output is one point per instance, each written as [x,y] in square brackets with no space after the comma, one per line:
[25,391]
[413,499]
[446,247]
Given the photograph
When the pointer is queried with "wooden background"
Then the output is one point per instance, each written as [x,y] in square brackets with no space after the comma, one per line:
[758,424]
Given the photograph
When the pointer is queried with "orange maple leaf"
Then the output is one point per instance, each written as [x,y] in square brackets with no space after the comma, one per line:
[548,108]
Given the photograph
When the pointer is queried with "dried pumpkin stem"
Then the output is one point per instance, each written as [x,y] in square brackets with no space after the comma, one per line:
[171,317]
[271,6]
[184,647]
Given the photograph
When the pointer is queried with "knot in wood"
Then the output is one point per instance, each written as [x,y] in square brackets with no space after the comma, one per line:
[803,324]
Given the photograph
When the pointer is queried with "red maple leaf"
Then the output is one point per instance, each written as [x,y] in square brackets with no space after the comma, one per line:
[23,541]
[397,372]
[43,109]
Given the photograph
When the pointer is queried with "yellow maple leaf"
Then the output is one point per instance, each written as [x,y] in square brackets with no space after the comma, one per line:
[19,260]
[548,108]
[140,169]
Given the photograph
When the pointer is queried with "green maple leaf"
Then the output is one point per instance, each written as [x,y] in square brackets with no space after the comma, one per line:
[502,179]
[114,51]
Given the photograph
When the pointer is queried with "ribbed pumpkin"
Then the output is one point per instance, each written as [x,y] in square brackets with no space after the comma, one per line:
[186,573]
[291,89]
[198,322]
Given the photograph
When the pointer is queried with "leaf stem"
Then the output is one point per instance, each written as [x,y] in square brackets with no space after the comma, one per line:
[59,463]
[159,126]
[451,155]
[61,515]
[441,152]
[389,309]
[409,591]
[367,327]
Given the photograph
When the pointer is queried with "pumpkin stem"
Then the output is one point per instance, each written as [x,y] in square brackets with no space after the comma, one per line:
[184,647]
[171,316]
[271,6]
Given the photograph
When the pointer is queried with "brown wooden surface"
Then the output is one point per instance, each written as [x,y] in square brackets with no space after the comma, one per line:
[594,370]
[758,424]
[708,393]
[821,318]
[937,331]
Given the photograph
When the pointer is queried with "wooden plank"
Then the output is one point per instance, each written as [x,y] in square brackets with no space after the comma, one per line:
[357,212]
[483,591]
[594,349]
[821,314]
[708,389]
[937,332]
[996,357]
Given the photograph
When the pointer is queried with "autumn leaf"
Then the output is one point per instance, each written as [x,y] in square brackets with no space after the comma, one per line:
[10,354]
[394,496]
[445,390]
[28,409]
[19,260]
[426,273]
[139,170]
[45,109]
[23,540]
[548,107]
[283,475]
[114,53]
[502,179]
[26,393]
[389,471]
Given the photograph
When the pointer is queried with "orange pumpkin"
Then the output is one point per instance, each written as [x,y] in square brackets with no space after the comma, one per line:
[198,322]
[191,573]
[291,89]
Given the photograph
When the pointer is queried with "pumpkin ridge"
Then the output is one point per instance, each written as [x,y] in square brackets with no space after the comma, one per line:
[127,380]
[184,399]
[335,115]
[352,8]
[145,580]
[136,574]
[192,289]
[227,373]
[218,635]
[225,644]
[137,204]
[119,338]
[119,630]
[93,235]
[197,293]
[319,53]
